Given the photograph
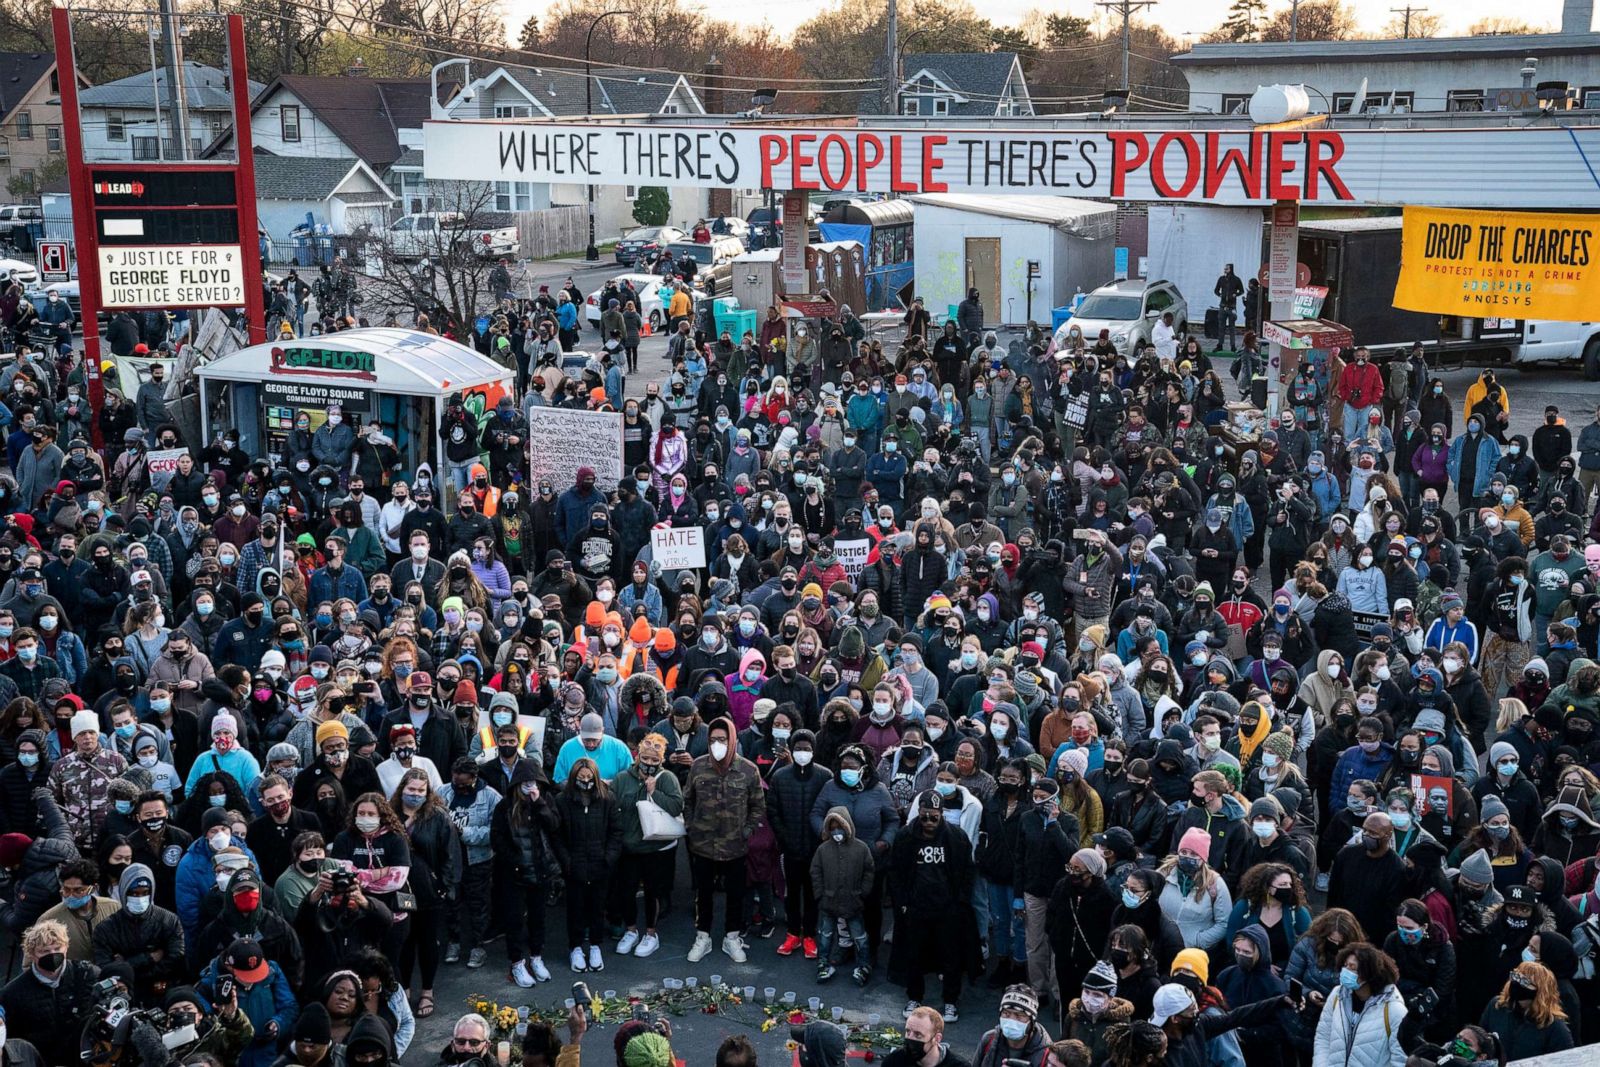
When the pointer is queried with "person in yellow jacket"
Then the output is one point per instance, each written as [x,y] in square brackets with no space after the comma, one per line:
[1483,396]
[1514,515]
[680,307]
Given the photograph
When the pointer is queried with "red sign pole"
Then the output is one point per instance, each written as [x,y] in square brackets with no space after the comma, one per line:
[83,217]
[244,177]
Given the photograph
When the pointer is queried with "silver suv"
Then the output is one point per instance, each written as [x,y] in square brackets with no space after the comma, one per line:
[1129,310]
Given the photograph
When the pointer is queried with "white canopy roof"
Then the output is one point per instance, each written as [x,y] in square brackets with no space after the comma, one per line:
[407,362]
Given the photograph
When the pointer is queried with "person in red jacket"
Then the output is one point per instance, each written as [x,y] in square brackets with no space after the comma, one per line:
[1361,389]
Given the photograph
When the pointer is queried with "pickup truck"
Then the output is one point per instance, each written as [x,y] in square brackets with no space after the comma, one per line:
[1546,341]
[431,234]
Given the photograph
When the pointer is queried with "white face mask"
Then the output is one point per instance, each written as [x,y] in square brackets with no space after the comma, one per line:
[719,751]
[802,757]
[1332,670]
[1452,664]
[220,840]
[367,823]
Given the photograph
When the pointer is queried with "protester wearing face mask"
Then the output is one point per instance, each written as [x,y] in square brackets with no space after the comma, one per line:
[723,805]
[1364,1015]
[49,988]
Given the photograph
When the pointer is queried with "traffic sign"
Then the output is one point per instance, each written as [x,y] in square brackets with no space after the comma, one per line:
[55,259]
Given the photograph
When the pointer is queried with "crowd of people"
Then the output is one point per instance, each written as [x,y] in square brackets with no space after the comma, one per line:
[1012,665]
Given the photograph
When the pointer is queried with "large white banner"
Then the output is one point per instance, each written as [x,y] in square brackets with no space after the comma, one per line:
[1489,167]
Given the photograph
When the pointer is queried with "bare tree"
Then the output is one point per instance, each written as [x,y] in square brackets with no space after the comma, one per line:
[441,267]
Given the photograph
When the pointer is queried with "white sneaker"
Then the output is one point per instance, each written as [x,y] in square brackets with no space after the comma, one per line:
[1322,882]
[595,962]
[733,946]
[540,972]
[701,947]
[647,945]
[911,1006]
[950,1014]
[520,975]
[578,963]
[629,939]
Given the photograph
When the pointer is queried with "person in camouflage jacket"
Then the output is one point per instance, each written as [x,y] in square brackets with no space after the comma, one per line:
[81,780]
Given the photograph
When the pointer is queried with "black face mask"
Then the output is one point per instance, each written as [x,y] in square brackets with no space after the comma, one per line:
[507,752]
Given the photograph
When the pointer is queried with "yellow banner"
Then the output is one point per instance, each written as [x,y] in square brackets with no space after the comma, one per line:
[1518,264]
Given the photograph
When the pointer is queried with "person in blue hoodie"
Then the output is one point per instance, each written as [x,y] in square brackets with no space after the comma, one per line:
[1250,980]
[1367,759]
[197,871]
[1324,486]
[261,990]
[225,754]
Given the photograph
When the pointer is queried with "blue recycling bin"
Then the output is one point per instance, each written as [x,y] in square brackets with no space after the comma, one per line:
[1058,316]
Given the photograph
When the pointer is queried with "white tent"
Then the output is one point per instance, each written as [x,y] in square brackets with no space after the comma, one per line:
[358,369]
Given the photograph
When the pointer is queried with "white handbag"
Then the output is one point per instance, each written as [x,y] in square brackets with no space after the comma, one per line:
[656,824]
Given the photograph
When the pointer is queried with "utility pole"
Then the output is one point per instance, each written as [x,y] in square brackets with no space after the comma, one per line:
[591,253]
[1294,20]
[891,77]
[1127,8]
[1406,12]
[177,91]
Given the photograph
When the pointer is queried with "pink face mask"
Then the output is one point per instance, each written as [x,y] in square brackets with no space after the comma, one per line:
[222,742]
[263,694]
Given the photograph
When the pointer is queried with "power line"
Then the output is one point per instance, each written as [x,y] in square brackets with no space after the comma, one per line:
[1127,8]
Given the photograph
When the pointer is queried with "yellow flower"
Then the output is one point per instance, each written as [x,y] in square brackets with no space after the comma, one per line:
[768,1025]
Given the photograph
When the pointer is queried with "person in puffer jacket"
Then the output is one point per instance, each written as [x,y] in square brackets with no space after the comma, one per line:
[1360,1027]
[842,876]
[263,995]
[139,929]
[31,864]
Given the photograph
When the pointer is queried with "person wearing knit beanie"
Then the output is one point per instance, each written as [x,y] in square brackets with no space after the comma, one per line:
[1196,840]
[1074,761]
[85,722]
[648,1049]
[1478,868]
[1102,978]
[1280,746]
[331,728]
[224,723]
[1090,860]
[1196,962]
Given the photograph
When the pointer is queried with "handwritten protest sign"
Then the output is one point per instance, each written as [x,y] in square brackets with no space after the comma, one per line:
[163,464]
[677,548]
[560,440]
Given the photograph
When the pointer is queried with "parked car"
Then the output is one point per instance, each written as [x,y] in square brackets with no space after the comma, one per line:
[429,234]
[651,306]
[714,269]
[645,241]
[1129,309]
[19,270]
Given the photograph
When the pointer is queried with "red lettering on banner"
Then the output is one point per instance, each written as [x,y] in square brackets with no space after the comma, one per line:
[869,153]
[932,164]
[774,150]
[800,161]
[1318,165]
[1123,161]
[833,140]
[1218,163]
[1158,165]
[896,183]
[1279,166]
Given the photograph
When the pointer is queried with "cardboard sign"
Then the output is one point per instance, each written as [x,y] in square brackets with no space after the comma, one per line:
[163,464]
[560,440]
[853,555]
[678,548]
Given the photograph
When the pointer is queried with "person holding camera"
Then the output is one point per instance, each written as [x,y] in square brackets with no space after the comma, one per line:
[335,922]
[244,978]
[220,1029]
[50,990]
